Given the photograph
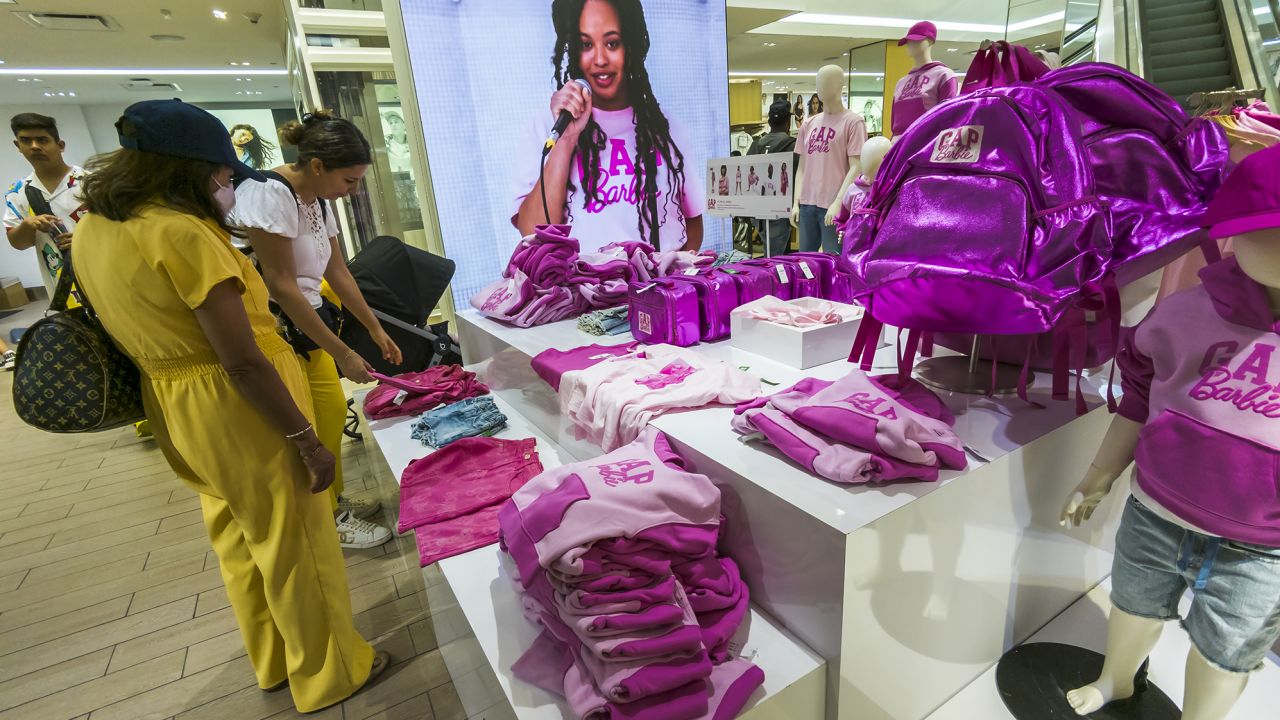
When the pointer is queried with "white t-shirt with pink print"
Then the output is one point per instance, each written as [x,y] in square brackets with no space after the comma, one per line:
[613,216]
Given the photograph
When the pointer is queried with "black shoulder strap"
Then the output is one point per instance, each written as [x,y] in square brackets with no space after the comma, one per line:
[273,175]
[36,200]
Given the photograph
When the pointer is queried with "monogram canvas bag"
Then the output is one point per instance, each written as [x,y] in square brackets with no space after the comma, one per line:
[70,377]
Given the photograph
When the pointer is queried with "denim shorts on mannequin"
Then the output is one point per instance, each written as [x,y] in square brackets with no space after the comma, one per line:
[465,418]
[1235,614]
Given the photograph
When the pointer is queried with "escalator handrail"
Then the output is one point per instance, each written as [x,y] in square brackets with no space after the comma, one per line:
[1080,31]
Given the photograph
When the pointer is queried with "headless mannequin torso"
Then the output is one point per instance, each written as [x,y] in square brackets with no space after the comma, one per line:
[1210,692]
[830,82]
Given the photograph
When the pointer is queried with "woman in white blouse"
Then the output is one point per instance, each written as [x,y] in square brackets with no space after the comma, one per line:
[293,233]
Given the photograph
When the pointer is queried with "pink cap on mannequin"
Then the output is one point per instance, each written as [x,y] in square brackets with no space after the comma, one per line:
[1249,200]
[923,30]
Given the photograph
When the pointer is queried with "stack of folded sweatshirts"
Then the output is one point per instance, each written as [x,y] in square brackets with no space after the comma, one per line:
[417,392]
[856,429]
[616,561]
[547,279]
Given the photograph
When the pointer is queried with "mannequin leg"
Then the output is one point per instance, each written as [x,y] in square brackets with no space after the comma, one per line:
[1211,692]
[1130,639]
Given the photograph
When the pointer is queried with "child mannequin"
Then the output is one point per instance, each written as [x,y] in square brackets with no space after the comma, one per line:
[872,156]
[1197,419]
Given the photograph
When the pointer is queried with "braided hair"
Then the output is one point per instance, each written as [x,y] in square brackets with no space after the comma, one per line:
[653,131]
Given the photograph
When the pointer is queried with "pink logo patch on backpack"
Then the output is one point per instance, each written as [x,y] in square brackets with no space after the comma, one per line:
[958,145]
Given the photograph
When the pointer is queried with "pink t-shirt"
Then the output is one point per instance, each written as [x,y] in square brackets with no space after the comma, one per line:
[827,141]
[919,91]
[612,217]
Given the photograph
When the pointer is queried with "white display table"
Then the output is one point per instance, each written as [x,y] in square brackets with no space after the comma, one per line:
[909,591]
[482,632]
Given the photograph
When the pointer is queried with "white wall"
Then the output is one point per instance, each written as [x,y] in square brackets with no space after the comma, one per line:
[80,146]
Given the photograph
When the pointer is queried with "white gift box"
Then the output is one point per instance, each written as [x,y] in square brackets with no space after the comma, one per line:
[798,347]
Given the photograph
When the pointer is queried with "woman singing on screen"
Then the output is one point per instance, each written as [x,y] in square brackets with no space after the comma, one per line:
[618,172]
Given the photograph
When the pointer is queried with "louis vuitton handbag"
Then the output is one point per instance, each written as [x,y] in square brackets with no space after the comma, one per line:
[70,377]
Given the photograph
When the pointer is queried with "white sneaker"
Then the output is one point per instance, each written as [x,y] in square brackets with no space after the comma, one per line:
[360,507]
[8,360]
[358,534]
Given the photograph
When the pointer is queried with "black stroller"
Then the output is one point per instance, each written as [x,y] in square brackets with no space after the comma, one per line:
[402,285]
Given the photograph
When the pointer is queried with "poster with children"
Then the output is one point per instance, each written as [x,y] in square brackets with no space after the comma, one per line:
[751,186]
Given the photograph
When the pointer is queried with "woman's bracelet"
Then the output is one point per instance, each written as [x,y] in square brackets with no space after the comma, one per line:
[300,433]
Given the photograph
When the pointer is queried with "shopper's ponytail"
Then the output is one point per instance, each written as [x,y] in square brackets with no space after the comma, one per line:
[335,142]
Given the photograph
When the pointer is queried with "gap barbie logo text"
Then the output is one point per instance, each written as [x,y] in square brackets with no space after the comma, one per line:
[1246,387]
[616,180]
[958,145]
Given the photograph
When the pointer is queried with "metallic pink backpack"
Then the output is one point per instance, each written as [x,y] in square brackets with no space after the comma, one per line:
[1115,176]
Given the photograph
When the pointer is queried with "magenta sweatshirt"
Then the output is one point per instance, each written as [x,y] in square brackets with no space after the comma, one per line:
[1197,372]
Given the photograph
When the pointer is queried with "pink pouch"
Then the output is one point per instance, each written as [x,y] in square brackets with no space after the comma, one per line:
[823,267]
[784,282]
[717,297]
[751,285]
[764,275]
[803,284]
[664,310]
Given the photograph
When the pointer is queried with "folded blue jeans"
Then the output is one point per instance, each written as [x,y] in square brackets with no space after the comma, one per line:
[465,418]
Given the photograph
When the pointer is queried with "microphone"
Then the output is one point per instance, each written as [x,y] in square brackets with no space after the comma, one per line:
[562,121]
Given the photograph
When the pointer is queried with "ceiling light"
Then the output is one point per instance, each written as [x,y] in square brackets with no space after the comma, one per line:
[48,94]
[889,22]
[1,62]
[219,14]
[134,72]
[793,68]
[233,62]
[71,94]
[951,49]
[770,44]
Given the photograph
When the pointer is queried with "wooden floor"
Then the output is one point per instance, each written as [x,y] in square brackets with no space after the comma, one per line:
[111,603]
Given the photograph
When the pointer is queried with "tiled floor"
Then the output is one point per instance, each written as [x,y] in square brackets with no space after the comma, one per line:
[111,605]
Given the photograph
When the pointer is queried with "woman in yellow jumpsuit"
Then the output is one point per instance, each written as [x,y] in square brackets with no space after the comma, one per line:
[225,395]
[291,227]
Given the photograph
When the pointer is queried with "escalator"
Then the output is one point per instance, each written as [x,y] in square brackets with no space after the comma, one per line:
[1186,46]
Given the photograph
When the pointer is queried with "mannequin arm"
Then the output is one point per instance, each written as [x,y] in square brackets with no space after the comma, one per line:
[1115,454]
[795,202]
[855,169]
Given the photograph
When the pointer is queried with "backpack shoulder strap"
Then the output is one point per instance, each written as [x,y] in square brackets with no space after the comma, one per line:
[35,199]
[273,175]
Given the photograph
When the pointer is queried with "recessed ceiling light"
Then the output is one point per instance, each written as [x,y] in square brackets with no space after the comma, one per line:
[233,62]
[951,49]
[71,94]
[1,62]
[770,44]
[846,54]
[791,68]
[219,14]
[168,38]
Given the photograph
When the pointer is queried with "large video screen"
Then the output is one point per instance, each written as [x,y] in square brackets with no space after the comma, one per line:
[485,73]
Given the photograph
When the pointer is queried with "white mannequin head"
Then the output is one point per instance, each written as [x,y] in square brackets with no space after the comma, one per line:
[920,51]
[831,83]
[873,152]
[1259,255]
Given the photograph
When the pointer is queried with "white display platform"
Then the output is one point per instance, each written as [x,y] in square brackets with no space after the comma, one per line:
[481,630]
[1084,624]
[795,677]
[910,591]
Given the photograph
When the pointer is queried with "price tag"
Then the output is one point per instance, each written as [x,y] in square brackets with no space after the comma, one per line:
[782,273]
[804,268]
[400,398]
[691,271]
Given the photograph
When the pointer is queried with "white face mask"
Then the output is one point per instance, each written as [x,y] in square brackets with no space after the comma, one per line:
[225,197]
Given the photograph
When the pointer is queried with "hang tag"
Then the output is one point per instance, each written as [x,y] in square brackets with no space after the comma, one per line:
[400,398]
[782,273]
[804,268]
[691,271]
